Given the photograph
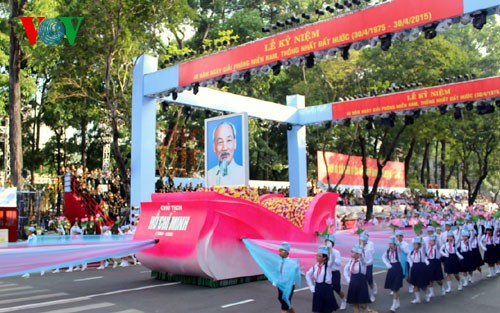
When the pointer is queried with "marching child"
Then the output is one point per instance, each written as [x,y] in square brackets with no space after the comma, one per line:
[368,252]
[477,259]
[467,262]
[486,243]
[322,288]
[355,275]
[337,259]
[434,269]
[452,261]
[394,278]
[418,270]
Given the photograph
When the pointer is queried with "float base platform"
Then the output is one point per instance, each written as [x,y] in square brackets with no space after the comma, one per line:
[205,282]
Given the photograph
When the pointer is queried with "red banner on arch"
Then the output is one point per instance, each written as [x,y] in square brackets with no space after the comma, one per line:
[385,18]
[393,174]
[417,99]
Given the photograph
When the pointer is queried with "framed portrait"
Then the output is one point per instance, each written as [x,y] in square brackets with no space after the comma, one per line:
[226,150]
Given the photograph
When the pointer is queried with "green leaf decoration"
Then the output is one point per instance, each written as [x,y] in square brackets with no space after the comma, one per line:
[359,231]
[418,228]
[435,224]
[324,233]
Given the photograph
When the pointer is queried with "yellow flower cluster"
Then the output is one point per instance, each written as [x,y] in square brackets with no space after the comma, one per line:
[293,209]
[239,192]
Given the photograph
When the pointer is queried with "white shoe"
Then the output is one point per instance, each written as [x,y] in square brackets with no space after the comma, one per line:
[84,267]
[397,304]
[411,289]
[101,267]
[449,286]
[498,270]
[459,286]
[391,293]
[27,275]
[343,304]
[428,298]
[466,282]
[124,264]
[42,273]
[69,270]
[443,291]
[491,272]
[372,298]
[106,263]
[471,279]
[56,271]
[416,301]
[393,306]
[375,289]
[115,264]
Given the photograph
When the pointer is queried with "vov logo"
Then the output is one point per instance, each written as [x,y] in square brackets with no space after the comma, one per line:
[51,31]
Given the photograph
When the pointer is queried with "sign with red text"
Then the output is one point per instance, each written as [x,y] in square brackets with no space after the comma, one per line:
[371,22]
[417,99]
[393,173]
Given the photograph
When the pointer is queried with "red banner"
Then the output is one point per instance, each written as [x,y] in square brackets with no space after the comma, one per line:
[393,175]
[421,98]
[374,21]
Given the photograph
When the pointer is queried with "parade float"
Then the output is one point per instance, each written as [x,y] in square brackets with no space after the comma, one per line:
[200,232]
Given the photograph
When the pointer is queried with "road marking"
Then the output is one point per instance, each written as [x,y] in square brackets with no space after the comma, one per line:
[236,303]
[130,311]
[301,289]
[142,272]
[82,308]
[51,295]
[89,278]
[475,296]
[8,285]
[16,288]
[376,273]
[79,299]
[27,292]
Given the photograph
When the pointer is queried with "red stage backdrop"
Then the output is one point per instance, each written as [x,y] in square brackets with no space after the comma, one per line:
[389,17]
[421,98]
[393,174]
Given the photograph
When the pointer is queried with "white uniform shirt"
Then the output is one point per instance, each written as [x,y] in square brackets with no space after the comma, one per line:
[336,258]
[417,256]
[433,253]
[403,247]
[464,246]
[354,267]
[368,252]
[390,256]
[319,273]
[449,248]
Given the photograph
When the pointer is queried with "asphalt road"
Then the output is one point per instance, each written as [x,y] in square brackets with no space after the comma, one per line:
[131,290]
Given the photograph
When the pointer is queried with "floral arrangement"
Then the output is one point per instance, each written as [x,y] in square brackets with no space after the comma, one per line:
[293,209]
[239,192]
[84,222]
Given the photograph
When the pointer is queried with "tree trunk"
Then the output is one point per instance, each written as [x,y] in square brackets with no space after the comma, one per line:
[424,161]
[408,157]
[483,169]
[369,196]
[436,153]
[16,145]
[444,182]
[33,144]
[329,187]
[83,151]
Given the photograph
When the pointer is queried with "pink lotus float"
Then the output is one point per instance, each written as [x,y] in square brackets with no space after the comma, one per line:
[200,232]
